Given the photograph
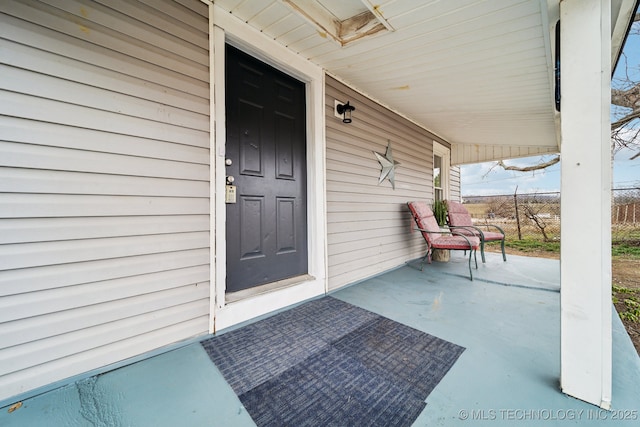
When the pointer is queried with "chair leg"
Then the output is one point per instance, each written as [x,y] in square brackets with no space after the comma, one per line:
[482,251]
[470,272]
[475,256]
[504,257]
[422,261]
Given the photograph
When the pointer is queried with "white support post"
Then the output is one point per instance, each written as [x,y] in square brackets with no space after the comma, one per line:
[585,301]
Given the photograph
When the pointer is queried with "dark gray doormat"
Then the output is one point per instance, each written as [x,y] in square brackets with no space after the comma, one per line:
[329,363]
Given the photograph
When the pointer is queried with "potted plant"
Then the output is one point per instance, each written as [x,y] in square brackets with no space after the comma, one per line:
[440,212]
[439,208]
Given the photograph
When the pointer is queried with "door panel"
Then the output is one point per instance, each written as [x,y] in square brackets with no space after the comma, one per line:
[266,228]
[286,225]
[252,220]
[251,150]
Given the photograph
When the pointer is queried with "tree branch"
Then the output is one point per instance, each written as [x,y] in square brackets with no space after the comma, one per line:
[530,168]
[626,119]
[629,98]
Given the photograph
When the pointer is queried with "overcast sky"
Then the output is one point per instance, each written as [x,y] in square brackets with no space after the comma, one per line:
[481,180]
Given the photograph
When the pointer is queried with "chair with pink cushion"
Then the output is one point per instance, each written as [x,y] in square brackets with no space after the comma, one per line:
[437,238]
[459,220]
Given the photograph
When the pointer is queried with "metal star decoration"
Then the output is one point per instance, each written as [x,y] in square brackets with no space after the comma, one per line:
[388,166]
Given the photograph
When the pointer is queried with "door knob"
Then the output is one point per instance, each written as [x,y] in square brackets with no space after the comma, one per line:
[228,162]
[230,179]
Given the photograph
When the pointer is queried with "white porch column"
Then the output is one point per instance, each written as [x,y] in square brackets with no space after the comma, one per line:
[586,200]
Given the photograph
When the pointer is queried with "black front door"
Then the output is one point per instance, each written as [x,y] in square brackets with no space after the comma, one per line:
[266,144]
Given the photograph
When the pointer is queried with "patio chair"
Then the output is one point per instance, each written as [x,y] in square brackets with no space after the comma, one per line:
[437,238]
[459,220]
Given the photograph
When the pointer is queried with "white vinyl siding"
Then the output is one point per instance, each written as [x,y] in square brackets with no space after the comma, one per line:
[454,184]
[464,154]
[104,183]
[369,225]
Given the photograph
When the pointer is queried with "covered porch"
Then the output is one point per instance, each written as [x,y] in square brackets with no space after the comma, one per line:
[507,319]
[114,243]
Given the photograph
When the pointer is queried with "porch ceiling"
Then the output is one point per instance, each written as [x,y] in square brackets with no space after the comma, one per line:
[477,73]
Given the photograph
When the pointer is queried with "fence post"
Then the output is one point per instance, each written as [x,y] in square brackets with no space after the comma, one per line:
[515,201]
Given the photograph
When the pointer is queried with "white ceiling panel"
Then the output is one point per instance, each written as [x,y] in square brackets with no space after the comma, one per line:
[474,72]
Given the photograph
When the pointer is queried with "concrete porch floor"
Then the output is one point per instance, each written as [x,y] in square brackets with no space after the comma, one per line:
[507,318]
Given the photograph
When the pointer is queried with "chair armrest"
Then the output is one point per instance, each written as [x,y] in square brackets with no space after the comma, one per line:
[452,233]
[466,227]
[493,225]
[433,232]
[477,230]
[473,230]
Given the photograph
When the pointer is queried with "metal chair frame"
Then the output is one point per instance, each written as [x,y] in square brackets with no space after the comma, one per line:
[473,242]
[475,230]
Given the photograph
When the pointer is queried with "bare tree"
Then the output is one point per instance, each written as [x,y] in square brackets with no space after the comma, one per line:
[499,207]
[625,100]
[534,215]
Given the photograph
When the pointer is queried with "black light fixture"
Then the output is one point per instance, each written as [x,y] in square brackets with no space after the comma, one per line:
[345,110]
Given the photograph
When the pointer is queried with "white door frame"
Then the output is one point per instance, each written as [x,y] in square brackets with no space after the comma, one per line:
[445,153]
[228,29]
